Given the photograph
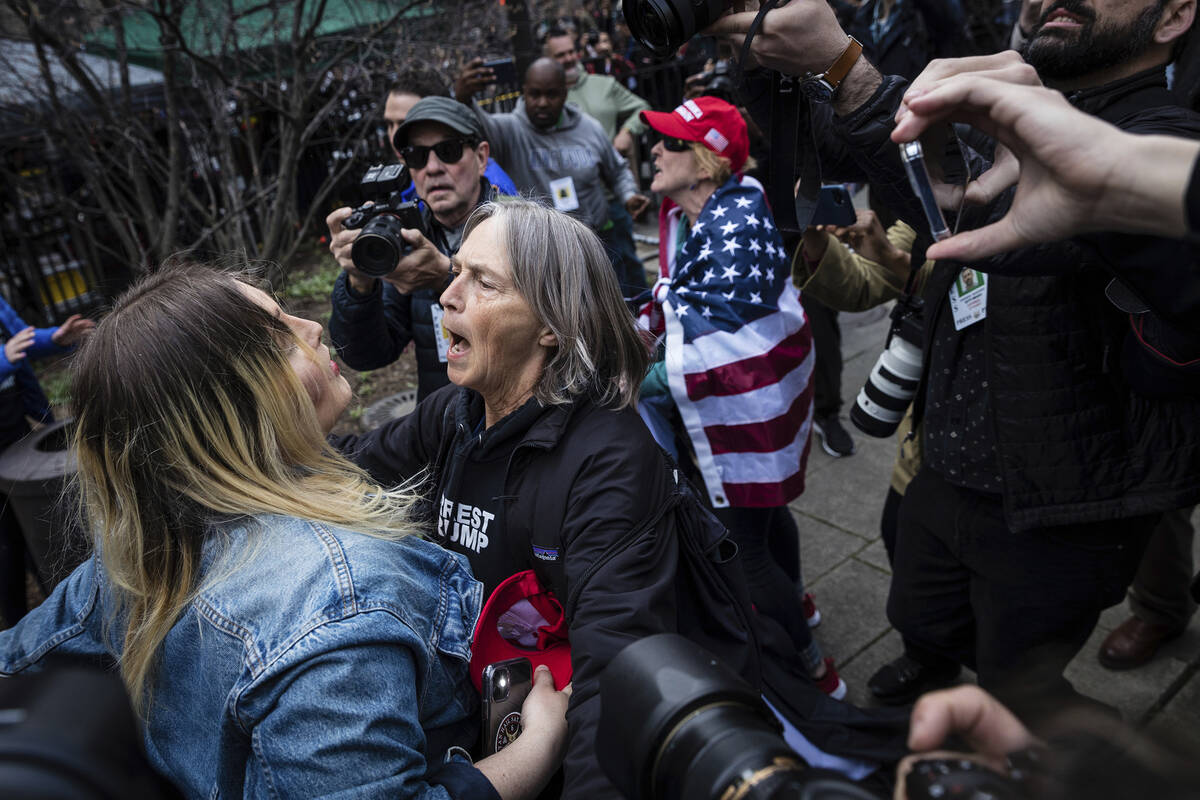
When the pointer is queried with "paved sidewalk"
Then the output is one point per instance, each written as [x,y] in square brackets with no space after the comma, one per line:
[845,566]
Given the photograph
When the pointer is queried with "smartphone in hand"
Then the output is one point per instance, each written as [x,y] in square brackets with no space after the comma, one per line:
[506,684]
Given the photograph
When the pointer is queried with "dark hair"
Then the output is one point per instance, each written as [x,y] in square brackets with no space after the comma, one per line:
[417,77]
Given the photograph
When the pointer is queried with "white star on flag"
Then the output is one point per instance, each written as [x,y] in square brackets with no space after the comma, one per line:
[770,249]
[767,224]
[755,297]
[752,220]
[696,228]
[731,273]
[719,211]
[743,202]
[755,272]
[708,276]
[731,246]
[729,227]
[705,251]
[755,247]
[681,312]
[705,312]
[727,295]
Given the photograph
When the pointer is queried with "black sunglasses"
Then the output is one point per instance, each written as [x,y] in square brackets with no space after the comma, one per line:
[449,151]
[674,144]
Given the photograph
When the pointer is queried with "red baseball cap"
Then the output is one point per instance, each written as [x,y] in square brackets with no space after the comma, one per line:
[532,616]
[708,120]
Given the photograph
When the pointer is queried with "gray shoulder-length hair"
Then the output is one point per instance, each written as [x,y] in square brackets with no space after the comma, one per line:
[561,269]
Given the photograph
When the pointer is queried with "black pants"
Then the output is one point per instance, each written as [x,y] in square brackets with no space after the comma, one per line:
[827,371]
[769,548]
[1014,606]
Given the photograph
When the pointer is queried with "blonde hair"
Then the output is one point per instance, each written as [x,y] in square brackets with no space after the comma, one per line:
[719,168]
[561,269]
[189,414]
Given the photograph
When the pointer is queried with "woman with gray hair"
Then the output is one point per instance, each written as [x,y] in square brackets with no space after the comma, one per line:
[536,457]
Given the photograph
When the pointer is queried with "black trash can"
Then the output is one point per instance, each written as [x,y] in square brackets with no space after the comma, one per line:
[33,474]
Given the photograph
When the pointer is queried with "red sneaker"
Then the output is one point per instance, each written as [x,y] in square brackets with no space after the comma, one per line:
[830,683]
[812,614]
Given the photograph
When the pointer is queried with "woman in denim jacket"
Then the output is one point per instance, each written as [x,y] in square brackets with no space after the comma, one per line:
[277,629]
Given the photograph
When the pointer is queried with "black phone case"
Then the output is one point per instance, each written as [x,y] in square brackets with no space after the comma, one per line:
[502,717]
[834,207]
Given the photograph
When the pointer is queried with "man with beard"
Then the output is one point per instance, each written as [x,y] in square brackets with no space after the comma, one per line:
[1053,442]
[557,151]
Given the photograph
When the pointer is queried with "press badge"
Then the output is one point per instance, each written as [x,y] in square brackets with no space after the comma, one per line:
[968,298]
[440,335]
[563,192]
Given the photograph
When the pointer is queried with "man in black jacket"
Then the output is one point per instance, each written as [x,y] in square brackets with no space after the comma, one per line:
[1047,465]
[373,320]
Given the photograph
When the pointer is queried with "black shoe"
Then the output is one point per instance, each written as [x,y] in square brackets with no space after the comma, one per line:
[904,680]
[834,438]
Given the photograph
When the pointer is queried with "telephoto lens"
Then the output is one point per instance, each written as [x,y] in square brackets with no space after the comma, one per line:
[677,724]
[893,381]
[664,26]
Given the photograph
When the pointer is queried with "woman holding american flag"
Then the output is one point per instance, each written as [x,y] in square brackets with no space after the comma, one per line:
[736,372]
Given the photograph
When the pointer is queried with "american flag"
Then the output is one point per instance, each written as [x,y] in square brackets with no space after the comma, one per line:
[739,353]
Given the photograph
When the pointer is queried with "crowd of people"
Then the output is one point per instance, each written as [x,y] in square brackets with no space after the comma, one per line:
[295,614]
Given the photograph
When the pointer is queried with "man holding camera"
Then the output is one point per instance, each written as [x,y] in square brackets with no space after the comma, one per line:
[1053,442]
[374,319]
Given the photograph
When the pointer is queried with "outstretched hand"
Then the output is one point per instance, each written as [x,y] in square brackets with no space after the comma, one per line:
[15,347]
[72,331]
[472,79]
[1073,172]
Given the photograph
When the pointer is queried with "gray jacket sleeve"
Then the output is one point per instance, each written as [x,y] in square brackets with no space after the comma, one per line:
[615,169]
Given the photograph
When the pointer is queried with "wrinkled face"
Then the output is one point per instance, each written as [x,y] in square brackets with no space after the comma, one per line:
[395,111]
[497,346]
[673,170]
[450,189]
[1075,38]
[545,96]
[562,49]
[309,358]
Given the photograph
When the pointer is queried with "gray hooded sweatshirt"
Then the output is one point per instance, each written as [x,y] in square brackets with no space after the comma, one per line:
[571,164]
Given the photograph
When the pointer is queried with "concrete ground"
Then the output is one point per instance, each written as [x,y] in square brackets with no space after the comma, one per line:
[845,565]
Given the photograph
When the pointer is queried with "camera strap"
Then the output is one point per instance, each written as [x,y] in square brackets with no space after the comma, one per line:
[789,123]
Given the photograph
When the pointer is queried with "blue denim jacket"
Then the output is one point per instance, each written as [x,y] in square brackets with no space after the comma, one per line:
[313,661]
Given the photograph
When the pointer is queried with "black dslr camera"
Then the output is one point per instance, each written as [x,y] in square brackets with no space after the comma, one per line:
[677,724]
[379,247]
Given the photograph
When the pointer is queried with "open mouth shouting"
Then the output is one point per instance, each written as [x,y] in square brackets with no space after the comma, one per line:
[459,346]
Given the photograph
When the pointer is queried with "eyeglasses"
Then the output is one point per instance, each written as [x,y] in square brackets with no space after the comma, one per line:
[449,151]
[674,144]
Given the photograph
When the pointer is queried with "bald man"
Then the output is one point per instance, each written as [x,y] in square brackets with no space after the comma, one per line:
[553,149]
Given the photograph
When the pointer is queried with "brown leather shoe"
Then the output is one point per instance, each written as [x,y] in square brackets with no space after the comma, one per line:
[1133,643]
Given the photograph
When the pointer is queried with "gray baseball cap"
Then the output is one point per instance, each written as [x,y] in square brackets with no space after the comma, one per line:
[450,113]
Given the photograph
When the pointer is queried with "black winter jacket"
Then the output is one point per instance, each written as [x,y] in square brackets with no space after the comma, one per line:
[1076,442]
[591,485]
[371,331]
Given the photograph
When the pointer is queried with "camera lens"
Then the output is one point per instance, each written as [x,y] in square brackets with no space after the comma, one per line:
[663,26]
[379,247]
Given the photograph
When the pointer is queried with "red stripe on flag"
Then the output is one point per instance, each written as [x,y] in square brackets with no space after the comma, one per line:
[738,377]
[762,437]
[767,495]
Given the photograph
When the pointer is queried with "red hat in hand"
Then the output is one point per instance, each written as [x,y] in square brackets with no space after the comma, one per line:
[708,120]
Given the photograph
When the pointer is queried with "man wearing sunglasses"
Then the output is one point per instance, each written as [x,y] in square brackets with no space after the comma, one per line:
[373,320]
